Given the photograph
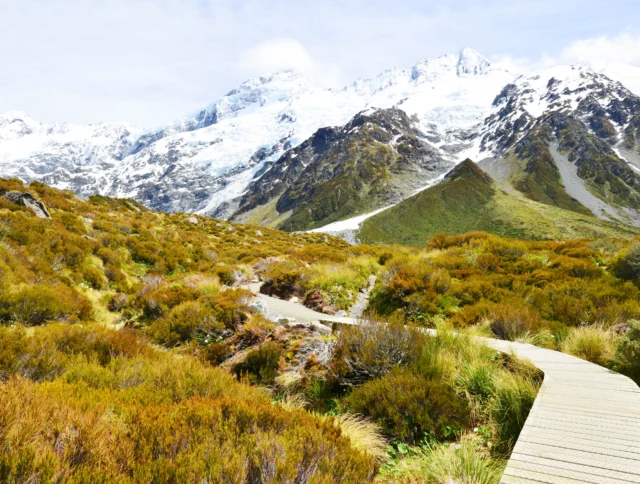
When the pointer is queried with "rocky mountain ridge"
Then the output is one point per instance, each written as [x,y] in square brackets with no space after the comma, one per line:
[279,151]
[198,162]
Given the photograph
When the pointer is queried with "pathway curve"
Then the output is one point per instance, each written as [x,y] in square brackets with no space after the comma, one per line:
[584,425]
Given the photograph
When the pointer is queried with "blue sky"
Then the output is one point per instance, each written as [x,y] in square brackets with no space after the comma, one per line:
[149,61]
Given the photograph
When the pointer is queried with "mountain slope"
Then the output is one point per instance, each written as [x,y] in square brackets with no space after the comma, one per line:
[205,159]
[379,158]
[468,199]
[567,138]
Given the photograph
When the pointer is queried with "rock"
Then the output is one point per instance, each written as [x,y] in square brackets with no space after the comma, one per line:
[25,199]
[259,233]
[294,299]
[341,314]
[193,220]
[258,305]
[321,328]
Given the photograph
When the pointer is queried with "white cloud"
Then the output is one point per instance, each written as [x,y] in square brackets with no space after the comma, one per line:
[522,65]
[617,57]
[148,61]
[623,48]
[279,54]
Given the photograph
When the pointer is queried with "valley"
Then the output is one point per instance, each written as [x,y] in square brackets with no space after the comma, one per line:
[429,275]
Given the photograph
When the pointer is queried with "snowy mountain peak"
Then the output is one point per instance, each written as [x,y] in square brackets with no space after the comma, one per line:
[16,124]
[464,63]
[471,62]
[603,105]
[14,115]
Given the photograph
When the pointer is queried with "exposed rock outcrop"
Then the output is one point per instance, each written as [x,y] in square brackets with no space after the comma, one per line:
[25,199]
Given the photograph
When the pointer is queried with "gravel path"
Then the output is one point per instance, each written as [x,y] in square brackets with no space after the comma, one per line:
[362,301]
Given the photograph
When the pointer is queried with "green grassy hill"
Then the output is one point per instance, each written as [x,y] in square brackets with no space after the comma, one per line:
[468,199]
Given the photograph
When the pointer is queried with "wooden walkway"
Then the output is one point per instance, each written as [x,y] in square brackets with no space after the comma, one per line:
[584,426]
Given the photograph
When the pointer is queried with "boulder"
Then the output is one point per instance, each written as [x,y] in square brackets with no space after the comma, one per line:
[25,199]
[258,305]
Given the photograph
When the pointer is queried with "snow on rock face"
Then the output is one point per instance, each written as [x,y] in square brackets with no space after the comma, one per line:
[603,105]
[201,161]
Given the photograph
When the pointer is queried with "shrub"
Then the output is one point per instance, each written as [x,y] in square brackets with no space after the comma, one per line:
[216,353]
[38,304]
[261,364]
[510,323]
[627,264]
[186,322]
[117,302]
[164,298]
[94,277]
[371,350]
[407,405]
[283,280]
[441,280]
[628,350]
[591,343]
[226,275]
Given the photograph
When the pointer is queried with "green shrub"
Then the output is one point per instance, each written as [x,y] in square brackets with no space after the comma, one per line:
[38,304]
[261,364]
[186,322]
[94,277]
[216,353]
[627,264]
[161,300]
[283,280]
[371,350]
[408,405]
[628,351]
[226,275]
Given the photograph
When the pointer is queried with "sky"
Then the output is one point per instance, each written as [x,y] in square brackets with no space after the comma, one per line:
[150,61]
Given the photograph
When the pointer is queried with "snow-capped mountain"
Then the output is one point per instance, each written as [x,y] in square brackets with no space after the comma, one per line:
[460,106]
[378,158]
[605,106]
[567,137]
[79,157]
[202,160]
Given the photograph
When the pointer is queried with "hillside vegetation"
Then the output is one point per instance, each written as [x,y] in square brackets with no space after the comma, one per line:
[468,199]
[130,351]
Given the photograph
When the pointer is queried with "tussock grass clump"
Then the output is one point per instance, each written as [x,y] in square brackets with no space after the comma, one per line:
[591,343]
[512,398]
[467,462]
[363,434]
